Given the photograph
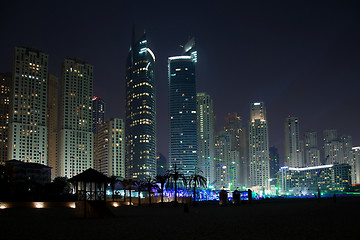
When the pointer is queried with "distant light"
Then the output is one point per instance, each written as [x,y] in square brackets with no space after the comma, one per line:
[72,205]
[179,57]
[256,104]
[2,206]
[38,204]
[115,204]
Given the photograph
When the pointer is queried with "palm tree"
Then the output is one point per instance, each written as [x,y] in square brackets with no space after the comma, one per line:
[127,183]
[174,177]
[197,180]
[162,179]
[149,184]
[113,181]
[140,186]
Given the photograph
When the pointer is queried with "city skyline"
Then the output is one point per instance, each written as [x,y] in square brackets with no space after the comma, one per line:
[304,60]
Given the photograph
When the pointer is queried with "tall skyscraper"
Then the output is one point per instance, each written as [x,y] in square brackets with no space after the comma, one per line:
[162,164]
[98,113]
[332,147]
[140,123]
[312,153]
[28,130]
[5,79]
[274,161]
[258,146]
[182,110]
[226,162]
[233,125]
[52,123]
[293,154]
[110,148]
[355,171]
[75,134]
[205,119]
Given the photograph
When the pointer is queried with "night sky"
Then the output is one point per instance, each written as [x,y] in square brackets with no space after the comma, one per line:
[300,59]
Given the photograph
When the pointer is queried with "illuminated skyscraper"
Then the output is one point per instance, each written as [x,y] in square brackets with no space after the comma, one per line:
[28,130]
[233,125]
[258,146]
[52,122]
[355,171]
[312,153]
[140,123]
[293,154]
[110,148]
[274,162]
[332,147]
[98,113]
[182,110]
[75,134]
[5,79]
[205,115]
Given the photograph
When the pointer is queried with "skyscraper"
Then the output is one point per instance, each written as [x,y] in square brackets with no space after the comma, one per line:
[233,125]
[258,146]
[205,115]
[293,154]
[98,113]
[75,134]
[226,162]
[182,110]
[274,161]
[140,123]
[332,147]
[312,153]
[28,130]
[52,123]
[355,171]
[5,79]
[110,148]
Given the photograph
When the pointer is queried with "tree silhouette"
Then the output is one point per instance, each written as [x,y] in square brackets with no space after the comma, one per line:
[149,184]
[197,180]
[127,183]
[174,178]
[113,181]
[140,186]
[162,179]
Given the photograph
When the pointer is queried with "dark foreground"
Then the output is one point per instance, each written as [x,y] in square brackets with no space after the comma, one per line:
[281,219]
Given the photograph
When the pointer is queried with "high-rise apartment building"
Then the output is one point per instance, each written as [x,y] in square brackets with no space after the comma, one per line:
[110,148]
[140,123]
[311,152]
[182,110]
[52,123]
[332,147]
[233,125]
[258,146]
[205,133]
[226,162]
[75,147]
[28,130]
[293,153]
[355,171]
[6,80]
[274,161]
[98,112]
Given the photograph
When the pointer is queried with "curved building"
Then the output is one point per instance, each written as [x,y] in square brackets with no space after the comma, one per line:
[140,125]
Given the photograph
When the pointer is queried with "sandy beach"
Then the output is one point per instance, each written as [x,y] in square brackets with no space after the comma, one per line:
[271,219]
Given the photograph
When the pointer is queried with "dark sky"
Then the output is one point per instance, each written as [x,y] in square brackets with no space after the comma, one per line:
[300,59]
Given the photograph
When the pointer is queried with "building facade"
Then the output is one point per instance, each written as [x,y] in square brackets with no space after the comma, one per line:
[110,148]
[52,123]
[293,153]
[311,151]
[258,146]
[28,132]
[6,80]
[274,162]
[304,181]
[205,134]
[98,112]
[75,145]
[182,110]
[233,125]
[140,123]
[355,173]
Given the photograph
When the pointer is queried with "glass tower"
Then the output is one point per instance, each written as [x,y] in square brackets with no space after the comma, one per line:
[140,125]
[98,113]
[182,110]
